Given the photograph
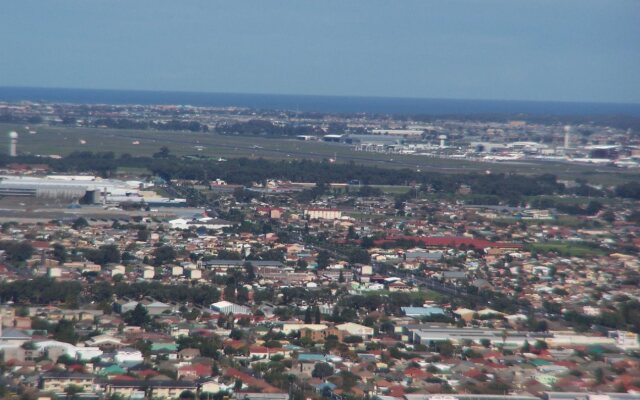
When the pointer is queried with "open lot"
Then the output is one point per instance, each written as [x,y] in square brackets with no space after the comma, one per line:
[62,140]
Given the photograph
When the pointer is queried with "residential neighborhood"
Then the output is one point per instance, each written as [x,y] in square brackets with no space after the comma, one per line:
[354,293]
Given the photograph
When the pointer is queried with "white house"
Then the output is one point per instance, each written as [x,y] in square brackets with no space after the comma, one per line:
[76,352]
[128,356]
[356,329]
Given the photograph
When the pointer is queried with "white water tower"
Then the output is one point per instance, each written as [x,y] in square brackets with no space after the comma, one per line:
[13,143]
[443,141]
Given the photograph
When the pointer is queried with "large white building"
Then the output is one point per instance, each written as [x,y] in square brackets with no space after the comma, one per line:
[322,213]
[356,329]
[226,307]
[75,352]
[89,188]
[128,356]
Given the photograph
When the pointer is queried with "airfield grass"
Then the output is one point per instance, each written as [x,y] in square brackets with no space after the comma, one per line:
[50,140]
[133,171]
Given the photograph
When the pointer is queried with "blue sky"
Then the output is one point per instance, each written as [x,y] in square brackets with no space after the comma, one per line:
[573,50]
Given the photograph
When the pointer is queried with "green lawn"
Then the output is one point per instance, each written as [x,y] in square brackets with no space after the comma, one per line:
[567,249]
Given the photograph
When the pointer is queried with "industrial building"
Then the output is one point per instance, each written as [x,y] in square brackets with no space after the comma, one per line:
[86,189]
[226,307]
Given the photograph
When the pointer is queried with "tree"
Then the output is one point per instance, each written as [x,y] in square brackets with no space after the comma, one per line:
[187,395]
[316,311]
[594,207]
[138,317]
[634,217]
[110,254]
[323,259]
[630,189]
[164,254]
[72,390]
[359,256]
[64,331]
[307,315]
[322,370]
[163,153]
[17,252]
[608,216]
[349,380]
[104,255]
[80,223]
[599,376]
[249,271]
[352,339]
[143,235]
[59,253]
[236,334]
[541,345]
[144,346]
[367,242]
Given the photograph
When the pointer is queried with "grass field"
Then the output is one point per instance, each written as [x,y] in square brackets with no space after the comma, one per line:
[567,249]
[62,140]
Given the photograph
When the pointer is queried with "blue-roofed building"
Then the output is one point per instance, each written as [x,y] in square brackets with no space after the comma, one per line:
[419,312]
[311,357]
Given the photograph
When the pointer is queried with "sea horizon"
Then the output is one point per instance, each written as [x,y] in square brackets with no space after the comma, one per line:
[317,103]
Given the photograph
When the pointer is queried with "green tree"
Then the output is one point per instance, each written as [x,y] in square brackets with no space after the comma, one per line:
[138,316]
[594,207]
[187,395]
[80,223]
[541,345]
[322,370]
[143,235]
[307,315]
[72,391]
[59,253]
[236,334]
[609,216]
[17,252]
[163,153]
[634,217]
[599,376]
[64,331]
[249,270]
[163,255]
[323,259]
[106,254]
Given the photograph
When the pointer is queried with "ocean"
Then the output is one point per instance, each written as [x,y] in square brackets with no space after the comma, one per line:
[320,104]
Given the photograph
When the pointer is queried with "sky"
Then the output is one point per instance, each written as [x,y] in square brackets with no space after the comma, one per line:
[564,50]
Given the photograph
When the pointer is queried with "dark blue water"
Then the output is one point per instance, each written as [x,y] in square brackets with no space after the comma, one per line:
[328,104]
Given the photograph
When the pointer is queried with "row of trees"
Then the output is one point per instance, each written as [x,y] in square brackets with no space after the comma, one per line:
[266,128]
[48,291]
[126,123]
[246,171]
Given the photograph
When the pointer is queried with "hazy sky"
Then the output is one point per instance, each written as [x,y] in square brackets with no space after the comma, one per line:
[585,50]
